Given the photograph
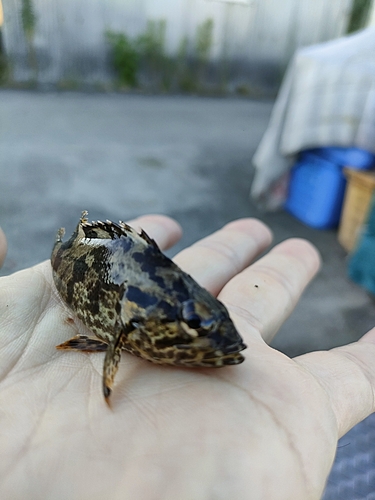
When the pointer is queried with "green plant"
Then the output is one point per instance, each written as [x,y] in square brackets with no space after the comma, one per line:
[4,70]
[203,42]
[28,18]
[151,48]
[124,57]
[359,14]
[151,43]
[182,51]
[185,71]
[186,80]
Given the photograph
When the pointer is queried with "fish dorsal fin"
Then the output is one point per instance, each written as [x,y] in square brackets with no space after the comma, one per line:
[149,240]
[110,230]
[142,234]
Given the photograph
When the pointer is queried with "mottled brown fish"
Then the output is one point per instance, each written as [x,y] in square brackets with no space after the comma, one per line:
[133,297]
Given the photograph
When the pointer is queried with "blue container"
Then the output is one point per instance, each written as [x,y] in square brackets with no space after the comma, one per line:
[349,157]
[317,184]
[316,191]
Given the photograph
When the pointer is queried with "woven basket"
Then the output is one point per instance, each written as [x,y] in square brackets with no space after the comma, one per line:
[359,191]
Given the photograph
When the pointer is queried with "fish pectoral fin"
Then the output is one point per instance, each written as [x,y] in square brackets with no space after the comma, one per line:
[85,344]
[112,360]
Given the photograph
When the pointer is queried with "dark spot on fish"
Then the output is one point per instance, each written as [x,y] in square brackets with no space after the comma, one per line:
[80,268]
[91,233]
[69,291]
[173,340]
[138,257]
[168,311]
[94,299]
[153,262]
[229,343]
[142,299]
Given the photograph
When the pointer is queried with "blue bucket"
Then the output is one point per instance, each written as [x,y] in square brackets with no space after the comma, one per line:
[317,184]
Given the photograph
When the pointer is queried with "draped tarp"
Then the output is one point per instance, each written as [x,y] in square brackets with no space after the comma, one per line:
[327,99]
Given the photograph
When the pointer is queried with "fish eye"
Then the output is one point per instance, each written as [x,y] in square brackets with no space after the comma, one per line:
[189,315]
[193,318]
[193,322]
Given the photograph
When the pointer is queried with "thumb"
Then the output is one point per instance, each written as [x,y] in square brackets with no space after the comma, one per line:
[348,375]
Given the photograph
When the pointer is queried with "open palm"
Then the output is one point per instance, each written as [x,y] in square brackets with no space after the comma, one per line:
[266,429]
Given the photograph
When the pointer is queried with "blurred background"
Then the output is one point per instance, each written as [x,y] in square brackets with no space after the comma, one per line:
[210,46]
[184,108]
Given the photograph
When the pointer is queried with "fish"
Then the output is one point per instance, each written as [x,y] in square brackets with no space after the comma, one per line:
[133,298]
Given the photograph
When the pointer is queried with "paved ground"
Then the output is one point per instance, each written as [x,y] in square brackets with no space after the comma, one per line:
[119,156]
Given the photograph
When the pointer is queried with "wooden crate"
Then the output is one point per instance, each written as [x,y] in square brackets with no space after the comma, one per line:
[359,191]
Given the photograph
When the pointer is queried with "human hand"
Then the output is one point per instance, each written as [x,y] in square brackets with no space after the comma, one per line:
[266,429]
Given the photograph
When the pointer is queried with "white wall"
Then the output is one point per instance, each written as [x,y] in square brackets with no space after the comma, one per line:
[69,39]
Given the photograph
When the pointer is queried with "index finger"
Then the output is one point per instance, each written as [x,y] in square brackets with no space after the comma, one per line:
[164,230]
[347,374]
[262,297]
[214,260]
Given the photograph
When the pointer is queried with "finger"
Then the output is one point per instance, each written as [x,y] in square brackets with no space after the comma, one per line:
[214,260]
[263,295]
[348,376]
[164,230]
[3,247]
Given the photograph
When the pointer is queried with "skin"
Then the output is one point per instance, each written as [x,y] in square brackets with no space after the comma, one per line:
[265,429]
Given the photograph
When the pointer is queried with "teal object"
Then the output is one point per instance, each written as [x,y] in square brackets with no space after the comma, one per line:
[361,268]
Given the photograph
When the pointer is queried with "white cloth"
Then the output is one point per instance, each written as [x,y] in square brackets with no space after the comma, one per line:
[327,98]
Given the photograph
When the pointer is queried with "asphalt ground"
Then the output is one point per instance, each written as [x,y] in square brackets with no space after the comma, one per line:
[120,156]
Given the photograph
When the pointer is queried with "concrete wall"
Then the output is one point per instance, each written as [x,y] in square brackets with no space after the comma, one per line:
[67,39]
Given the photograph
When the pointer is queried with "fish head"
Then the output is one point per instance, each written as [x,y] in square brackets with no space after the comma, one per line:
[199,335]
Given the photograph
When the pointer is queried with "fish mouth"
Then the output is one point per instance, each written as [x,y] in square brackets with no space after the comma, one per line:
[233,348]
[226,355]
[217,349]
[234,358]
